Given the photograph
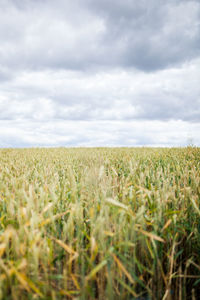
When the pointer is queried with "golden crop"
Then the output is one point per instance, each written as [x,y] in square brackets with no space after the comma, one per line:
[100,223]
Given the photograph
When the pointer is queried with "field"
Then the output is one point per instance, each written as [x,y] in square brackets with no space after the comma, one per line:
[100,223]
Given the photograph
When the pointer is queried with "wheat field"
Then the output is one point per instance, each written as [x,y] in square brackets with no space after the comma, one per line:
[100,223]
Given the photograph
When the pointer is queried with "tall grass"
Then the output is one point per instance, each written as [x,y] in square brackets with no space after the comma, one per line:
[100,223]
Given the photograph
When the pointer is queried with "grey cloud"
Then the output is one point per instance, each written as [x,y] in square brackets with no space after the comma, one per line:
[83,35]
[151,35]
[4,76]
[90,72]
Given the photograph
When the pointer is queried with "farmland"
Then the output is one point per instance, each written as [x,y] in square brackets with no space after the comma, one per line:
[100,223]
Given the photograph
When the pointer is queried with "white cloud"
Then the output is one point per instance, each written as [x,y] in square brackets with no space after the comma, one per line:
[114,95]
[97,133]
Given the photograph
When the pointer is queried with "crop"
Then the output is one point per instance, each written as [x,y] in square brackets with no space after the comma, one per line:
[100,223]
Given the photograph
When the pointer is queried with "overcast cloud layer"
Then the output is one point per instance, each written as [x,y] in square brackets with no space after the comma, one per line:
[99,73]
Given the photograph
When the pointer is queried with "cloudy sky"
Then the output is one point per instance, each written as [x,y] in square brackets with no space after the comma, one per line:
[99,73]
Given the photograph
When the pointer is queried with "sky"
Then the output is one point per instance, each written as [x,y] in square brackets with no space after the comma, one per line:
[99,73]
